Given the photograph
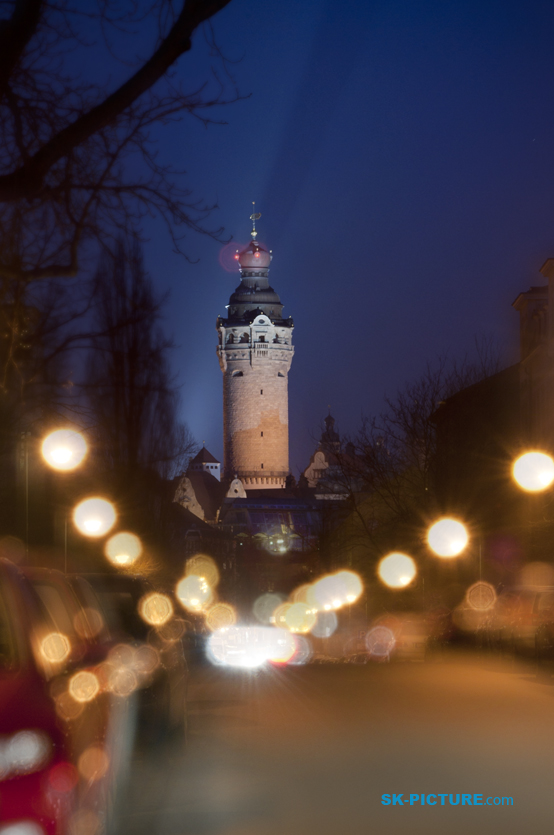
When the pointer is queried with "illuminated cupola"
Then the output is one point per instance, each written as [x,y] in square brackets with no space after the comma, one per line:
[255,353]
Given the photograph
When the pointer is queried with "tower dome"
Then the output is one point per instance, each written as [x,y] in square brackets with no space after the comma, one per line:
[255,353]
[254,257]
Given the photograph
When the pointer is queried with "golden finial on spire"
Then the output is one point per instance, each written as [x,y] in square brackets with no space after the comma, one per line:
[254,217]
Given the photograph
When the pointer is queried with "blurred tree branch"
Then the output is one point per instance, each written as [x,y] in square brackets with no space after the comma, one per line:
[68,143]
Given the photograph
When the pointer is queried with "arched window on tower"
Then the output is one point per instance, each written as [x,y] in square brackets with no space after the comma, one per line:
[236,374]
[245,338]
[230,339]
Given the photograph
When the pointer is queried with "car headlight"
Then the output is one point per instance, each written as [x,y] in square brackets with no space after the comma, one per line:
[23,753]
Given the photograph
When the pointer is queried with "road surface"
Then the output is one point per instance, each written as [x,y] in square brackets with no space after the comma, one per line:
[311,750]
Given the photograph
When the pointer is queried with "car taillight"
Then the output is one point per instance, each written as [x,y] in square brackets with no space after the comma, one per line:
[22,753]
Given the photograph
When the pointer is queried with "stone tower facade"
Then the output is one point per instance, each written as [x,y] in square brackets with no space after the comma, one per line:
[255,354]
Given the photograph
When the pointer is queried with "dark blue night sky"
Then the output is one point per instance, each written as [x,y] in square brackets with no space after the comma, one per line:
[402,157]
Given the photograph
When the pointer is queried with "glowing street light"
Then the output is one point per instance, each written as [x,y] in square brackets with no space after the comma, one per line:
[123,548]
[447,537]
[94,517]
[397,570]
[533,471]
[64,449]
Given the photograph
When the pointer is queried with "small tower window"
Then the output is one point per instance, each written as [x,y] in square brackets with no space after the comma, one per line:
[262,466]
[261,391]
[261,434]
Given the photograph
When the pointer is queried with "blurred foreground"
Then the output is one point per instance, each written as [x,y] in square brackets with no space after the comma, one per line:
[312,749]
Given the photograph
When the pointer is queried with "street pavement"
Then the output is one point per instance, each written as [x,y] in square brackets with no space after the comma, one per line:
[311,750]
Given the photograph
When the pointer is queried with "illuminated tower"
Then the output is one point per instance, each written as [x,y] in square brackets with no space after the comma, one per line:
[255,353]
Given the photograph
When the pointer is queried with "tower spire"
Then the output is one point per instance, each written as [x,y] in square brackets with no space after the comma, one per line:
[254,217]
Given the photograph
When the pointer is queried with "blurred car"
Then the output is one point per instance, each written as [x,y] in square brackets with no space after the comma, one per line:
[38,772]
[157,650]
[104,727]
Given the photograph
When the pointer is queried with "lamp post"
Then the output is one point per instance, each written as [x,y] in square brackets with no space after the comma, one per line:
[64,450]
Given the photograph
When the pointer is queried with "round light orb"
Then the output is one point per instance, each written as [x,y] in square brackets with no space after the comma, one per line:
[447,537]
[64,449]
[219,616]
[481,596]
[534,471]
[84,686]
[156,608]
[397,570]
[352,584]
[299,618]
[123,548]
[55,647]
[194,593]
[205,567]
[266,605]
[94,517]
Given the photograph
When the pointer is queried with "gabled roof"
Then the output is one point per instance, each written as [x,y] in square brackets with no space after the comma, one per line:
[204,457]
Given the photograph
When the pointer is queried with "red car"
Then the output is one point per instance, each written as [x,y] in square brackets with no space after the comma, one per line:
[63,734]
[37,777]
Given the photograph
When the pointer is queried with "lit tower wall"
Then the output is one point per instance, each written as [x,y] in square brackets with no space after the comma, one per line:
[255,354]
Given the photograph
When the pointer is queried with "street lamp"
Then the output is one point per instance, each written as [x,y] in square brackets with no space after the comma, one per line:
[447,537]
[123,548]
[397,570]
[94,517]
[533,471]
[64,449]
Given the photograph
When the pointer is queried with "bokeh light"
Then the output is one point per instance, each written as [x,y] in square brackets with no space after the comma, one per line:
[325,625]
[352,584]
[122,682]
[278,617]
[67,708]
[94,517]
[447,537]
[55,647]
[155,608]
[380,642]
[194,593]
[146,660]
[481,596]
[123,548]
[220,615]
[93,763]
[171,631]
[277,543]
[336,590]
[84,686]
[265,606]
[397,570]
[64,449]
[299,617]
[534,471]
[205,567]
